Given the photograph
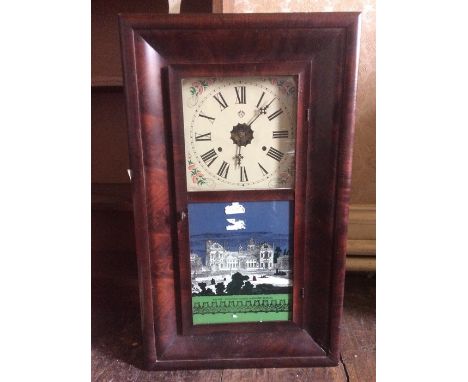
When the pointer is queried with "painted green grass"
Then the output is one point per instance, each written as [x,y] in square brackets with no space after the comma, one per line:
[234,317]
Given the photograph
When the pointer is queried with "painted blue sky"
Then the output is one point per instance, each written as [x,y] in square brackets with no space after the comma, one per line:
[273,217]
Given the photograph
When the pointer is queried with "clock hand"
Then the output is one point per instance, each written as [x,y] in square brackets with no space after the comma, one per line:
[254,118]
[261,111]
[235,156]
[238,157]
[266,107]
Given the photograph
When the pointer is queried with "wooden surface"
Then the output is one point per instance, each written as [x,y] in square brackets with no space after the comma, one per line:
[151,44]
[361,238]
[109,148]
[106,66]
[117,347]
[201,6]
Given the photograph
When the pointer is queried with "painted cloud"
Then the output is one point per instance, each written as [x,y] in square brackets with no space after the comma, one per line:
[234,208]
[235,224]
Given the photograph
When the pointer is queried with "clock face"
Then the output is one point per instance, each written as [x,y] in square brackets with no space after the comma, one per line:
[239,132]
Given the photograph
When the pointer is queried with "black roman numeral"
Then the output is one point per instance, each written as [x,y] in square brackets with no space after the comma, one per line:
[203,137]
[211,119]
[222,102]
[243,174]
[264,172]
[240,94]
[275,154]
[280,134]
[275,114]
[223,170]
[209,157]
[260,100]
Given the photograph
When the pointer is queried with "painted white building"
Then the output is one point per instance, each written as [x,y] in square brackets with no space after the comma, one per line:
[266,256]
[195,262]
[255,257]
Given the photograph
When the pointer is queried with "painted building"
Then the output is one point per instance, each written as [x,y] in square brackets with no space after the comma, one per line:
[195,262]
[254,257]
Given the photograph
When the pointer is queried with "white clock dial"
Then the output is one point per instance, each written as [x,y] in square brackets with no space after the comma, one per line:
[239,132]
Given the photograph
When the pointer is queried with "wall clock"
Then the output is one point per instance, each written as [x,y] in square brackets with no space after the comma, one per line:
[240,136]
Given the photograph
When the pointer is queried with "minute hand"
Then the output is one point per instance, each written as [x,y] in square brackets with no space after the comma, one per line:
[261,111]
[255,118]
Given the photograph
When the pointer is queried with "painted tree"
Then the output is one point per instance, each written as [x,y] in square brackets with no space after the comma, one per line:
[204,291]
[220,288]
[247,288]
[202,287]
[235,286]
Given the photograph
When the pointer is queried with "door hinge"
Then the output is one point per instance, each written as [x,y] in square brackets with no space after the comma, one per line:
[302,292]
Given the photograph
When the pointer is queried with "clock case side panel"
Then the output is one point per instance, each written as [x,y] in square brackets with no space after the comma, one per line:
[127,41]
[329,166]
[152,190]
[343,181]
[300,70]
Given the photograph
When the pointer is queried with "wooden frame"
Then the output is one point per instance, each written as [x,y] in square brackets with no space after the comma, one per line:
[321,49]
[176,72]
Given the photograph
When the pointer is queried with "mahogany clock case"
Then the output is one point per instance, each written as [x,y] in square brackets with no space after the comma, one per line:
[321,50]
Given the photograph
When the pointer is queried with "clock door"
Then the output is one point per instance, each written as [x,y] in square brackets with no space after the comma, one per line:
[239,133]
